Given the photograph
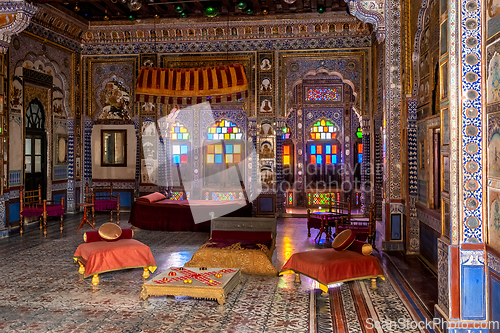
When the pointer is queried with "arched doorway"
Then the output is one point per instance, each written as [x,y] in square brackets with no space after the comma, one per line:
[35,148]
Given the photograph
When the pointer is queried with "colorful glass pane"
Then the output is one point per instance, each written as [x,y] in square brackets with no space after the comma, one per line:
[323,94]
[324,130]
[179,154]
[359,133]
[224,130]
[179,132]
[286,133]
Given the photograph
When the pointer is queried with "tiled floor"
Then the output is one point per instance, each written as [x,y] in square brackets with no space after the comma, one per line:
[41,290]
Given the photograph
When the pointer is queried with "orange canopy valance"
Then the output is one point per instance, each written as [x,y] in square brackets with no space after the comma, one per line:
[192,85]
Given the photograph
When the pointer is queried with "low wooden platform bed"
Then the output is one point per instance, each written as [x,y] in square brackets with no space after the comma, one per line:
[239,242]
[155,212]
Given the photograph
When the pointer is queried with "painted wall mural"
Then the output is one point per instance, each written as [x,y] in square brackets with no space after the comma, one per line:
[115,101]
[494,218]
[493,80]
[494,145]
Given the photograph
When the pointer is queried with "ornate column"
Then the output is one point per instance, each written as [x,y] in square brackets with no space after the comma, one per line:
[253,166]
[366,188]
[280,193]
[413,230]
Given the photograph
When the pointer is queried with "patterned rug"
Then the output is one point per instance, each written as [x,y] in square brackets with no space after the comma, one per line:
[41,291]
[354,307]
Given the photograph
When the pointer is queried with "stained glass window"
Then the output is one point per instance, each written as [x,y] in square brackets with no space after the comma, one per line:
[360,153]
[323,154]
[179,154]
[215,154]
[179,132]
[286,133]
[224,130]
[286,154]
[324,130]
[323,94]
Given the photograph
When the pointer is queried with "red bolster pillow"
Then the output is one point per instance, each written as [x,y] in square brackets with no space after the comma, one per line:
[153,197]
[361,247]
[93,236]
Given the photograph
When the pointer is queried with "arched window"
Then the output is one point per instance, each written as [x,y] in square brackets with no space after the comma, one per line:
[324,155]
[180,153]
[224,147]
[34,116]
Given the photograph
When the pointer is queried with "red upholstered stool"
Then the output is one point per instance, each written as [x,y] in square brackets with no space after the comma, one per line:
[102,254]
[329,266]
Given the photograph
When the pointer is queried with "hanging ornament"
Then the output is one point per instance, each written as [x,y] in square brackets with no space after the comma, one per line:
[210,11]
[134,5]
[241,5]
[290,1]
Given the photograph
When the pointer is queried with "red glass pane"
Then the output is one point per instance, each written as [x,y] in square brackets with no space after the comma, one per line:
[319,149]
[210,149]
[334,150]
[313,159]
[286,150]
[328,159]
[184,158]
[236,158]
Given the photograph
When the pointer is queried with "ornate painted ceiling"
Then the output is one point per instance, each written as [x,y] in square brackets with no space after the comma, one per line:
[113,10]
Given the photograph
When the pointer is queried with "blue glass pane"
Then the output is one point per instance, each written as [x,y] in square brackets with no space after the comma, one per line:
[328,149]
[360,158]
[229,149]
[313,150]
[334,159]
[319,159]
[218,158]
[210,136]
[179,136]
[184,149]
[177,159]
[176,129]
[219,130]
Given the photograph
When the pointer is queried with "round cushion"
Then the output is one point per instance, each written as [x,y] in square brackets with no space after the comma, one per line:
[343,240]
[110,231]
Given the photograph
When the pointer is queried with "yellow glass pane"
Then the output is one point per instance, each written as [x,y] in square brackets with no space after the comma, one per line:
[218,149]
[323,123]
[210,159]
[174,136]
[229,158]
[286,159]
[221,124]
[318,136]
[183,130]
[315,129]
[210,149]
[237,149]
[235,129]
[226,136]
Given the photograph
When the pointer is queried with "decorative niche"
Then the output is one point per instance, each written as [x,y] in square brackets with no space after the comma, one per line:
[61,149]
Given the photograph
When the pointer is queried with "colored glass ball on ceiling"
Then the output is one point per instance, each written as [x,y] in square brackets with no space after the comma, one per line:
[210,11]
[321,9]
[134,5]
[290,1]
[249,10]
[241,5]
[183,14]
[179,9]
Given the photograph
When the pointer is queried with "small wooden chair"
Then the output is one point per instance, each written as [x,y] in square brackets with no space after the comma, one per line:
[103,199]
[32,205]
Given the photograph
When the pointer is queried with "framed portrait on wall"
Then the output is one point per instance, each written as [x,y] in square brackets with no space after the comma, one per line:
[61,149]
[444,80]
[445,183]
[421,155]
[445,126]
